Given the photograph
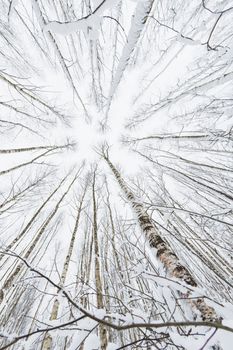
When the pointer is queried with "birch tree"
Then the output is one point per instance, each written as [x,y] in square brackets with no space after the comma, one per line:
[116,174]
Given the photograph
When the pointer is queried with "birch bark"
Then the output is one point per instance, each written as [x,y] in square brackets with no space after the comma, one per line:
[163,251]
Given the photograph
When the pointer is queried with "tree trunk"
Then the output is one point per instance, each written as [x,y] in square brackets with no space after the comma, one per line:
[163,251]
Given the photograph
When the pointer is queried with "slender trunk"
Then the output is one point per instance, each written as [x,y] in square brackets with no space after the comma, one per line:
[163,251]
[99,287]
[32,220]
[9,281]
[47,342]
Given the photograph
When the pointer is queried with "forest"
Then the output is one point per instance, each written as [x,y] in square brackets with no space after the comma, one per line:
[116,174]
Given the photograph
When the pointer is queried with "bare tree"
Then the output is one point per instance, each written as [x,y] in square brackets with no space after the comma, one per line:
[116,174]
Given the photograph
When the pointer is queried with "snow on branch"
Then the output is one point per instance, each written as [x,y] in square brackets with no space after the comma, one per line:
[92,20]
